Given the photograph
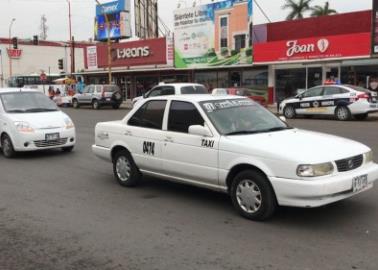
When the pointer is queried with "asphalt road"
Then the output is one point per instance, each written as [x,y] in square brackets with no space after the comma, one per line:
[65,211]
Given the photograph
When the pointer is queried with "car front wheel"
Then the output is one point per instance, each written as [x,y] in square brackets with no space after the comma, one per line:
[252,196]
[7,146]
[289,112]
[125,170]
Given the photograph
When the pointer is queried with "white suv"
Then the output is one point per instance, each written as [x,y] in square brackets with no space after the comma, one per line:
[173,89]
[232,144]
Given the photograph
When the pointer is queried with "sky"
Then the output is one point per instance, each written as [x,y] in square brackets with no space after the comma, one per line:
[28,15]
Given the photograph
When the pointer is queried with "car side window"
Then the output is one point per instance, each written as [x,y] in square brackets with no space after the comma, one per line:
[168,91]
[329,91]
[314,92]
[86,89]
[150,115]
[98,88]
[182,115]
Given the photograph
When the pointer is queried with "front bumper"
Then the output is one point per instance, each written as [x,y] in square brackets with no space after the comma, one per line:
[323,191]
[37,140]
[102,152]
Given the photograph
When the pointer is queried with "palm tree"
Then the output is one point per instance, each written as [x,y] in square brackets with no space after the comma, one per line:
[296,8]
[322,11]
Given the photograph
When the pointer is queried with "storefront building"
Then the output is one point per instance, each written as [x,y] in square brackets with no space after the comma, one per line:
[304,53]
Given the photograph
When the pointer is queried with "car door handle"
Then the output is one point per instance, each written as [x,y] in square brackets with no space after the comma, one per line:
[168,139]
[128,133]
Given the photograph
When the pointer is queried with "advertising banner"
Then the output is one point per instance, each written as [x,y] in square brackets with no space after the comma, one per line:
[120,26]
[216,34]
[340,46]
[92,57]
[134,53]
[375,28]
[112,7]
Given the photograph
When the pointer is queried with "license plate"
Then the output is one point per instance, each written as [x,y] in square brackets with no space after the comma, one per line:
[52,136]
[360,183]
[108,99]
[374,106]
[374,100]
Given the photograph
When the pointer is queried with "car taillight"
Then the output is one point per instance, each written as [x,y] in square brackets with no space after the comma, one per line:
[103,93]
[362,96]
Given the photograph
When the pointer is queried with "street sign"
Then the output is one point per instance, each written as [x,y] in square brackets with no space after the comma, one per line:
[14,53]
[43,77]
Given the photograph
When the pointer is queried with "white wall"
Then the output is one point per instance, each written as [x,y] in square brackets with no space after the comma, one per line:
[34,59]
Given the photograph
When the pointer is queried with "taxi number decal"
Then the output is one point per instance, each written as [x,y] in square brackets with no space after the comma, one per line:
[207,143]
[149,148]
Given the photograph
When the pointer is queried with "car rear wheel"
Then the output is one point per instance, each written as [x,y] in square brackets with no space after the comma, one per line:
[252,196]
[7,146]
[289,112]
[342,113]
[361,116]
[95,104]
[125,170]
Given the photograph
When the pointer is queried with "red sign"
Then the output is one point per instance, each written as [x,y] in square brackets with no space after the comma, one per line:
[14,53]
[340,46]
[134,53]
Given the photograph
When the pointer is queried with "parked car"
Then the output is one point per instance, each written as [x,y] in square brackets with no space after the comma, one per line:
[98,95]
[30,121]
[244,92]
[173,89]
[341,101]
[233,145]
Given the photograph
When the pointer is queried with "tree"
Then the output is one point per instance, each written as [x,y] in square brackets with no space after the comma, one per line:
[297,9]
[43,27]
[322,11]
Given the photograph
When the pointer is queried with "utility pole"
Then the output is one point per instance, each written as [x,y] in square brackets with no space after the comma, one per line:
[10,44]
[2,68]
[109,45]
[70,39]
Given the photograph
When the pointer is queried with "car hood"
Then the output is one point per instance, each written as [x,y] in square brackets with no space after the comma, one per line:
[43,120]
[301,146]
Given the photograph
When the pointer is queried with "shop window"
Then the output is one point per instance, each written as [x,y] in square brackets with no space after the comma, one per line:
[208,79]
[182,115]
[256,79]
[290,82]
[145,83]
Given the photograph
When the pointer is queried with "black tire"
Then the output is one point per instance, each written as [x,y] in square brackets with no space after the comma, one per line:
[116,106]
[96,105]
[361,117]
[342,113]
[67,149]
[75,104]
[130,177]
[7,146]
[289,112]
[264,203]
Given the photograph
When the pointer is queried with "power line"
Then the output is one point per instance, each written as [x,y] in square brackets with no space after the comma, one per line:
[262,11]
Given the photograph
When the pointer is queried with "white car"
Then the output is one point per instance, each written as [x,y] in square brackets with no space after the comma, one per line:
[342,101]
[233,145]
[173,89]
[30,121]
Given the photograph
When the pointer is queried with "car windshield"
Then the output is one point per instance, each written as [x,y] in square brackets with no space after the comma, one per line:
[241,116]
[194,89]
[27,102]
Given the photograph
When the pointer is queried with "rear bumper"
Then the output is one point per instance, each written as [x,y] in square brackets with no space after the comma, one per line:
[315,193]
[362,107]
[109,101]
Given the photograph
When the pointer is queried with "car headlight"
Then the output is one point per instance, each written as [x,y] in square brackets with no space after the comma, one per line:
[68,123]
[315,170]
[23,127]
[369,157]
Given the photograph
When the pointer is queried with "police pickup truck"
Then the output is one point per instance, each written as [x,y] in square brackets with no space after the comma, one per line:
[233,145]
[343,101]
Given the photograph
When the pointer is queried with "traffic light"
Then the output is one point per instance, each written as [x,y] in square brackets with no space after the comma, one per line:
[60,64]
[15,43]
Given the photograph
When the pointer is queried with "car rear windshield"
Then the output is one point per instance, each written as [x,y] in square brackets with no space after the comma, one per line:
[111,88]
[27,102]
[193,89]
[358,88]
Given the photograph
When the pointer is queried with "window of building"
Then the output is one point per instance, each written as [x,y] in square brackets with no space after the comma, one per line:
[182,115]
[223,32]
[150,115]
[239,42]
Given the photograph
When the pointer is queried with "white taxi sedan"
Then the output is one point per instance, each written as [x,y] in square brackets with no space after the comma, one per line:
[30,121]
[341,101]
[234,145]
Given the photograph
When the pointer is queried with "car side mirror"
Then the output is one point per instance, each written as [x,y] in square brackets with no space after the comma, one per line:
[200,130]
[283,119]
